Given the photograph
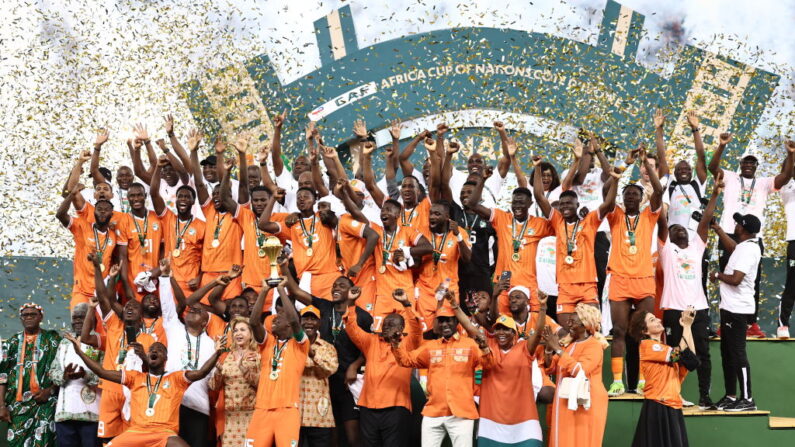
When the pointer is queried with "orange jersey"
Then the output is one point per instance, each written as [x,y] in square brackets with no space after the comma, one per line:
[511,374]
[166,397]
[350,237]
[115,346]
[283,390]
[224,228]
[392,278]
[583,266]
[187,265]
[663,377]
[257,267]
[143,246]
[507,228]
[623,261]
[447,251]
[417,217]
[527,328]
[115,220]
[323,257]
[88,241]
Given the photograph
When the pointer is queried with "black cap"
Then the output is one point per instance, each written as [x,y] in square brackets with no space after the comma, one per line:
[750,156]
[749,222]
[211,160]
[105,173]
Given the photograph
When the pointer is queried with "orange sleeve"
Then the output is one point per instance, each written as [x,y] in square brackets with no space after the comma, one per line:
[359,337]
[350,226]
[654,351]
[130,377]
[589,360]
[417,358]
[592,220]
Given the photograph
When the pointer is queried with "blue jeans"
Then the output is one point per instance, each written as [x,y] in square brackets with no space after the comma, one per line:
[76,434]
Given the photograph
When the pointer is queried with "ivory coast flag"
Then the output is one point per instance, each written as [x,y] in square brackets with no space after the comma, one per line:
[523,434]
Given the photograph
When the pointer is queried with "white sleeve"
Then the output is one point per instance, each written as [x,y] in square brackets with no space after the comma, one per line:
[746,256]
[167,305]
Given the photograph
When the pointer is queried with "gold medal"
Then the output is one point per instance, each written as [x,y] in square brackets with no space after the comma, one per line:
[176,252]
[515,257]
[569,260]
[102,267]
[261,252]
[382,269]
[309,252]
[274,375]
[150,412]
[119,367]
[215,243]
[633,249]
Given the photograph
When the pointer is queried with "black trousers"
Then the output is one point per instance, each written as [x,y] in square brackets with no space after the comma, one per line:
[552,307]
[194,427]
[76,434]
[632,361]
[315,437]
[384,426]
[788,296]
[601,252]
[724,259]
[673,334]
[734,357]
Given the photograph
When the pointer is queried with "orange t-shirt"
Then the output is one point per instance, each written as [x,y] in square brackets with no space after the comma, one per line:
[324,246]
[417,217]
[622,262]
[524,329]
[145,256]
[583,269]
[170,389]
[256,268]
[85,242]
[510,375]
[432,274]
[392,278]
[227,229]
[284,391]
[524,270]
[115,220]
[188,264]
[114,343]
[663,378]
[451,367]
[350,237]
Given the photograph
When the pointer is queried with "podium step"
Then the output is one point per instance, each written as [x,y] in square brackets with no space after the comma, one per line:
[780,423]
[695,411]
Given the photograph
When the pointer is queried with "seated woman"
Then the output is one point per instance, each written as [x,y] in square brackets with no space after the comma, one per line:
[661,422]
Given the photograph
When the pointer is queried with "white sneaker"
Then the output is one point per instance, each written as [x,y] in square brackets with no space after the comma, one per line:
[686,403]
[782,332]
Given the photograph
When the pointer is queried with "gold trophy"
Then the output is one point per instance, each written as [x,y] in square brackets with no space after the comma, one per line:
[272,248]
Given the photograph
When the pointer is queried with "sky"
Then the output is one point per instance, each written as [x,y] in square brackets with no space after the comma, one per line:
[71,66]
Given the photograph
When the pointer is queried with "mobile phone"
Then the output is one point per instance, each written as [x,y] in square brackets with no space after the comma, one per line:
[506,275]
[130,332]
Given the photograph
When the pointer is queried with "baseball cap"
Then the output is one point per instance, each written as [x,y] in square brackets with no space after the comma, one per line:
[211,160]
[105,173]
[310,310]
[445,311]
[506,321]
[358,186]
[749,222]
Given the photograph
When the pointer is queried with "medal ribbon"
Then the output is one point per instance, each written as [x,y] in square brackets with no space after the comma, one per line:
[278,349]
[34,380]
[474,222]
[218,222]
[571,242]
[745,196]
[412,215]
[141,234]
[181,232]
[153,392]
[437,250]
[309,235]
[100,250]
[260,235]
[191,358]
[388,245]
[517,242]
[631,228]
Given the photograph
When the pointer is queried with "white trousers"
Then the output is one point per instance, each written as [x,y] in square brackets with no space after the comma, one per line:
[459,429]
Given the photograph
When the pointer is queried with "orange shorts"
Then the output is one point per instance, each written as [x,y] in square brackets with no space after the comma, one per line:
[384,305]
[274,427]
[111,423]
[570,294]
[232,290]
[322,283]
[79,298]
[623,288]
[136,438]
[367,299]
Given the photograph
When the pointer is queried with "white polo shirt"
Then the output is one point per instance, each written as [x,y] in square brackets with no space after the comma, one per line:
[744,196]
[746,257]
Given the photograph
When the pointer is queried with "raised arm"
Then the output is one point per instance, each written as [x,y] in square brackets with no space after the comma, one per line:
[701,158]
[659,141]
[262,158]
[154,188]
[341,192]
[709,211]
[102,138]
[513,150]
[194,139]
[317,176]
[265,223]
[241,145]
[276,143]
[466,323]
[473,202]
[225,190]
[367,172]
[291,284]
[255,318]
[207,367]
[583,168]
[405,157]
[538,188]
[609,203]
[180,151]
[506,160]
[107,298]
[786,169]
[714,164]
[290,314]
[464,250]
[62,214]
[93,365]
[655,201]
[728,243]
[88,325]
[142,136]
[535,337]
[175,162]
[568,180]
[134,146]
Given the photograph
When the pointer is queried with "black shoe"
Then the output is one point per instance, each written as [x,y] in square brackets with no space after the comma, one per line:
[705,403]
[724,401]
[741,405]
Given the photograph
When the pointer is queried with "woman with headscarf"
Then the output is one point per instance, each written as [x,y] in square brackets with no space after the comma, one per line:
[585,425]
[238,375]
[661,421]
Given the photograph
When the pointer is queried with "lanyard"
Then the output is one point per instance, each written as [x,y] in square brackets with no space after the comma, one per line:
[191,357]
[745,196]
[336,327]
[412,215]
[122,195]
[278,349]
[469,226]
[388,245]
[571,242]
[152,392]
[631,228]
[100,250]
[437,250]
[151,328]
[181,233]
[517,241]
[218,222]
[260,235]
[141,234]
[308,236]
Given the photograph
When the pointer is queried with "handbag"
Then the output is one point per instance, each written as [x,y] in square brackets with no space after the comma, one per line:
[577,390]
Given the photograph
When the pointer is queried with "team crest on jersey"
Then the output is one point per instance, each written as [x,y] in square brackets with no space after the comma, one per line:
[656,347]
[449,243]
[401,243]
[192,231]
[155,226]
[355,223]
[167,385]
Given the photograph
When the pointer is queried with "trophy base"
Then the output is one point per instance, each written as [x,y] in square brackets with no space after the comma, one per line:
[273,282]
